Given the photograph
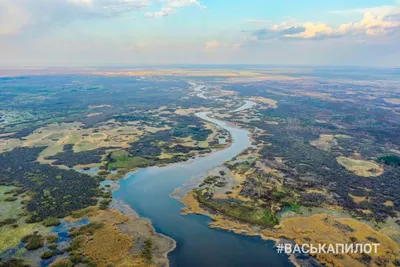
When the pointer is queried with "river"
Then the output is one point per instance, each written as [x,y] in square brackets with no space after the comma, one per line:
[147,191]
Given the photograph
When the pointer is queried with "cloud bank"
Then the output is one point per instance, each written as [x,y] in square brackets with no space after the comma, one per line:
[382,21]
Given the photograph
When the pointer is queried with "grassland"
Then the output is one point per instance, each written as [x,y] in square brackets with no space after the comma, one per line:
[9,209]
[11,234]
[361,167]
[122,160]
[324,229]
[245,213]
[325,141]
[113,238]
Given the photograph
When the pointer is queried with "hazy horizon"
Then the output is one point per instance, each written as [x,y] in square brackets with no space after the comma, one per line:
[82,33]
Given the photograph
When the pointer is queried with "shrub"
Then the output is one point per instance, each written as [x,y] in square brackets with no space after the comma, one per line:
[61,263]
[51,238]
[52,246]
[147,250]
[33,242]
[50,221]
[7,221]
[76,258]
[46,254]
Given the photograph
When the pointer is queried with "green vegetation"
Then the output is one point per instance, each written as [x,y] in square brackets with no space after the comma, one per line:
[319,176]
[76,244]
[10,237]
[389,160]
[294,207]
[237,210]
[9,211]
[47,254]
[121,160]
[104,203]
[76,258]
[287,173]
[146,253]
[51,238]
[7,221]
[242,167]
[209,180]
[86,212]
[10,199]
[51,197]
[52,246]
[360,167]
[86,229]
[196,132]
[33,241]
[61,263]
[51,221]
[70,158]
[14,263]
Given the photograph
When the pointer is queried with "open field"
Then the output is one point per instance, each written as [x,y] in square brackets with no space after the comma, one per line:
[324,229]
[320,145]
[121,240]
[361,167]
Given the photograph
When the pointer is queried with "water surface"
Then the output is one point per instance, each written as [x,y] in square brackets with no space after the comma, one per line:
[147,191]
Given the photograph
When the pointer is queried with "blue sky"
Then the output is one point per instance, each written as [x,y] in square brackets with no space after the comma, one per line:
[133,32]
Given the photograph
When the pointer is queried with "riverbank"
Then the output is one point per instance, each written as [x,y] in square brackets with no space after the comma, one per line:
[147,191]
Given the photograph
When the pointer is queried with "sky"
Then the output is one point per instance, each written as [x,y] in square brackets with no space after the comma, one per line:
[90,33]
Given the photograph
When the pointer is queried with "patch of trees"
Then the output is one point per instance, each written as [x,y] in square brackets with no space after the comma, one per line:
[62,262]
[33,241]
[47,254]
[306,166]
[197,133]
[389,160]
[182,126]
[70,158]
[144,148]
[7,221]
[23,133]
[139,116]
[146,253]
[51,221]
[237,209]
[14,263]
[189,126]
[67,98]
[183,149]
[50,196]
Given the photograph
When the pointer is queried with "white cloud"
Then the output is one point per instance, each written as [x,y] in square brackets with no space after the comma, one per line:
[375,22]
[182,3]
[19,15]
[379,11]
[165,11]
[171,6]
